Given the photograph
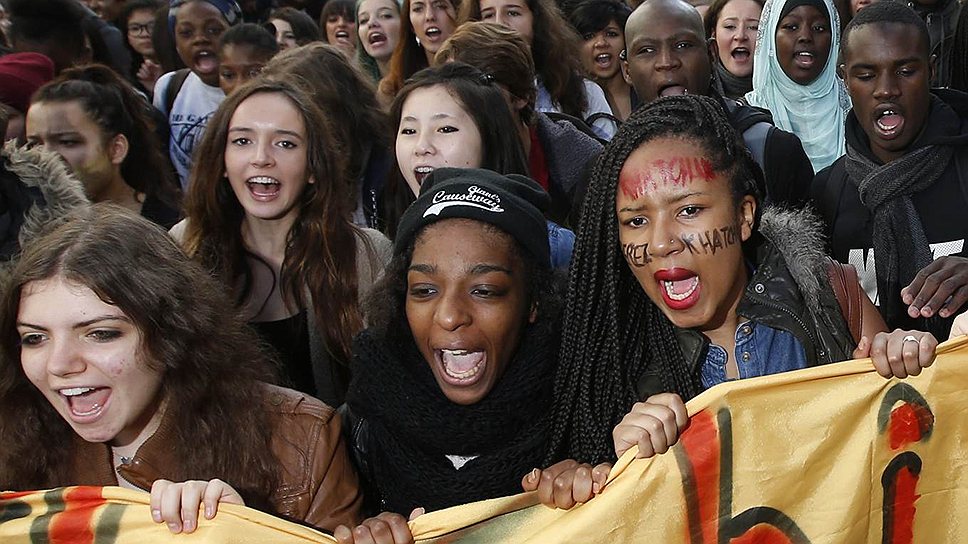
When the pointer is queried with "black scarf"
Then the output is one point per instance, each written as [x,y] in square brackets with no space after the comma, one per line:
[900,246]
[411,425]
[732,86]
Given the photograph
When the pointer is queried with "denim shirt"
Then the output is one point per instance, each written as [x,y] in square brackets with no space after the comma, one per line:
[760,351]
[561,241]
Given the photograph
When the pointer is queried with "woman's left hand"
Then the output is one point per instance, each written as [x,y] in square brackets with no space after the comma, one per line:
[898,354]
[177,503]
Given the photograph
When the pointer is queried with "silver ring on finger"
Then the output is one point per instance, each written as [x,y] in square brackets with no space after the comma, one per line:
[911,338]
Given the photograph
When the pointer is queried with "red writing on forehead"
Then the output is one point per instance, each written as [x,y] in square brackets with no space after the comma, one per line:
[679,171]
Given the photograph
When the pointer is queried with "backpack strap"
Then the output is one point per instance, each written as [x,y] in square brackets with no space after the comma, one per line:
[755,139]
[961,164]
[173,88]
[580,124]
[843,281]
[832,191]
[591,119]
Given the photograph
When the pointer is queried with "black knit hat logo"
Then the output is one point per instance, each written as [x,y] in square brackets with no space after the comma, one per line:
[474,197]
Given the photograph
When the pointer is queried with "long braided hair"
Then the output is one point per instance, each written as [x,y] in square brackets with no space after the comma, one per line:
[612,332]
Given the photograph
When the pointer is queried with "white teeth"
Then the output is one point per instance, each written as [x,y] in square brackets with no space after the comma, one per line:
[74,391]
[423,169]
[433,30]
[448,356]
[681,296]
[805,54]
[263,180]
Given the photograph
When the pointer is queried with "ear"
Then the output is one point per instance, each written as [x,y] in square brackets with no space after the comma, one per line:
[842,73]
[747,210]
[625,69]
[533,315]
[118,148]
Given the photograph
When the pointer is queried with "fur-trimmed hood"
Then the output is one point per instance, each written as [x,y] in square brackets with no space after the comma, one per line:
[36,192]
[798,235]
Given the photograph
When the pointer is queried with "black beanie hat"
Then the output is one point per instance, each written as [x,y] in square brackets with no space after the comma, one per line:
[512,203]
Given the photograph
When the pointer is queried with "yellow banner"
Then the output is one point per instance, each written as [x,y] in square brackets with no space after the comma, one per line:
[829,454]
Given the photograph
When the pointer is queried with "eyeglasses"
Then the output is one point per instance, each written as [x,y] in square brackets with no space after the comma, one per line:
[136,29]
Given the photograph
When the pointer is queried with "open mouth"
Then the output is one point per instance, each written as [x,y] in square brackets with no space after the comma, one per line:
[888,121]
[740,54]
[420,173]
[603,60]
[679,287]
[342,35]
[206,62]
[460,366]
[433,33]
[681,290]
[804,59]
[377,38]
[672,89]
[86,403]
[263,188]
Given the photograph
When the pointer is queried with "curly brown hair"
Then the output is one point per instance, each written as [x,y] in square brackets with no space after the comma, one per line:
[212,368]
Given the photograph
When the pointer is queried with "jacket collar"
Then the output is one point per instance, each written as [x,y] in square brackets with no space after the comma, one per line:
[93,463]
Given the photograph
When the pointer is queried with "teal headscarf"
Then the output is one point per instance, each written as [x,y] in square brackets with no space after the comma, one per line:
[814,112]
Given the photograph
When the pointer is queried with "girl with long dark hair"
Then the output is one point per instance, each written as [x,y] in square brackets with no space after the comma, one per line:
[265,215]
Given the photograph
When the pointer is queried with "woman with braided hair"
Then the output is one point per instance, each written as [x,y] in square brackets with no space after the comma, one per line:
[678,275]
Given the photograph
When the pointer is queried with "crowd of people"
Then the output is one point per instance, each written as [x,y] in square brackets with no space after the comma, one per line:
[347,262]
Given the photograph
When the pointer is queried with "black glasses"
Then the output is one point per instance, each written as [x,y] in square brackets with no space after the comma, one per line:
[135,28]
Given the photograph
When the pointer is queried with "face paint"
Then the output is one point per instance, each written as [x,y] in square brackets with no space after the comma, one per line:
[680,171]
[682,237]
[710,241]
[637,254]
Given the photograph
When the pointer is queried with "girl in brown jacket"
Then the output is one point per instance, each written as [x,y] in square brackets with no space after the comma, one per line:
[123,363]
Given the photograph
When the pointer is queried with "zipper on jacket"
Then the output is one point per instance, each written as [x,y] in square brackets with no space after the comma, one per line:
[803,326]
[117,469]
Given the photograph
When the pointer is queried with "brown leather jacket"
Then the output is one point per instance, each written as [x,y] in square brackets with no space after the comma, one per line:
[317,484]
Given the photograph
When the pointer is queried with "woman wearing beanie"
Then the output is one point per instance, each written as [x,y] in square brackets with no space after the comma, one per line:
[452,383]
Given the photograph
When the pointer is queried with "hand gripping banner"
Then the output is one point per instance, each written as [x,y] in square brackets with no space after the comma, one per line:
[823,455]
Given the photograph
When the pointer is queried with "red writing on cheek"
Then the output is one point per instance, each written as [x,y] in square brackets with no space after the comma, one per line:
[678,171]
